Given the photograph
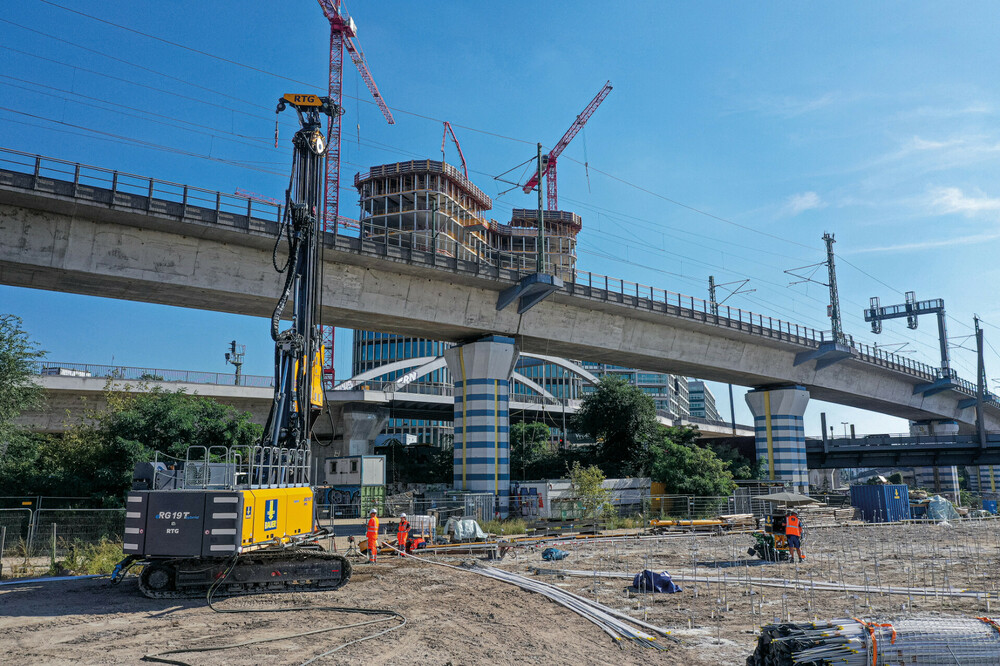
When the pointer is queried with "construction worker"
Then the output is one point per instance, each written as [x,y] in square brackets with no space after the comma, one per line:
[402,534]
[793,532]
[372,534]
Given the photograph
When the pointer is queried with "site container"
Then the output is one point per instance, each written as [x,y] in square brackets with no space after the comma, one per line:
[881,503]
[990,505]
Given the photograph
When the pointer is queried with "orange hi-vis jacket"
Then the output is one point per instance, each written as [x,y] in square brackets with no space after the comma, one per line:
[372,528]
[792,527]
[403,530]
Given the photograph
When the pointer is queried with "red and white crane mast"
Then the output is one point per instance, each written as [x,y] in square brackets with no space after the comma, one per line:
[549,168]
[343,32]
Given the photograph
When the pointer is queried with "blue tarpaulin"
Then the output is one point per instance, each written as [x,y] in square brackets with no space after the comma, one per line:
[650,581]
[550,554]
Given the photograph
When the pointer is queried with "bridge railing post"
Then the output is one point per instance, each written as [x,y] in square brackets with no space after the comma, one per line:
[76,178]
[149,196]
[114,188]
[38,168]
[184,203]
[218,205]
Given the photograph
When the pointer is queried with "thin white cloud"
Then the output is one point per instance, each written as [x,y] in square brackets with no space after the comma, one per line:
[801,202]
[945,200]
[787,106]
[933,244]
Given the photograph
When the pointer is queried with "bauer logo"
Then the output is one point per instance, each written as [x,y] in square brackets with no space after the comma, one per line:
[271,514]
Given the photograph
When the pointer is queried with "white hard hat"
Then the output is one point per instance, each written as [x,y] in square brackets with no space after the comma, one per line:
[373,511]
[402,515]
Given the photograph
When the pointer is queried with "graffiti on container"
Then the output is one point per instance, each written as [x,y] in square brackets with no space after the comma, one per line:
[345,496]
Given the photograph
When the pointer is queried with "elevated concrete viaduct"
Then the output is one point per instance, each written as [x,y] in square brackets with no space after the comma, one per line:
[65,236]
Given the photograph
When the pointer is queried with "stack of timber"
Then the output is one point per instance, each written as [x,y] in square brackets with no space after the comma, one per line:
[735,521]
[893,642]
[821,515]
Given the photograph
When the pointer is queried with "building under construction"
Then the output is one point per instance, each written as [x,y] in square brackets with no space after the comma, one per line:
[431,206]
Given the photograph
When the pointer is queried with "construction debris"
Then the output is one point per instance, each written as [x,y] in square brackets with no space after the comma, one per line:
[894,642]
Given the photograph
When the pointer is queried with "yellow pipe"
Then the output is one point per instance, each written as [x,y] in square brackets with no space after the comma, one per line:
[496,436]
[767,430]
[993,480]
[465,423]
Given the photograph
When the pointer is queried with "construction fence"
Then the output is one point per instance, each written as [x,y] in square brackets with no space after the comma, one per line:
[31,533]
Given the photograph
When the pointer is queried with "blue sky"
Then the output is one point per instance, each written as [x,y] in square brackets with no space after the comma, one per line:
[736,135]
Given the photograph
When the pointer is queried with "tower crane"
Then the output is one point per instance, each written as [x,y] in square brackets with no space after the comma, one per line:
[343,33]
[549,163]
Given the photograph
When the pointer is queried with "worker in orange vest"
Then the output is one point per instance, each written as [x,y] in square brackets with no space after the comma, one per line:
[372,534]
[402,534]
[793,532]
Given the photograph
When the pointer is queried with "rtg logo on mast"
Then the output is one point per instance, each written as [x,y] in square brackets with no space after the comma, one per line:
[270,514]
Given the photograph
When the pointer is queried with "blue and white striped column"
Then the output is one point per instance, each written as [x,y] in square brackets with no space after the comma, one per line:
[938,480]
[481,371]
[984,479]
[780,434]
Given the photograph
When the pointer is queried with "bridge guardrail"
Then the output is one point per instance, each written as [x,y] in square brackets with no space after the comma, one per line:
[127,373]
[150,195]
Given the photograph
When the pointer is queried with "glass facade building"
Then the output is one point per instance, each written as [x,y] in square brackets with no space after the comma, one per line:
[702,401]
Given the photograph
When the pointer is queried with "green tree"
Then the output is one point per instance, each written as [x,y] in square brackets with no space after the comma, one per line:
[18,389]
[686,468]
[896,478]
[171,422]
[741,466]
[622,419]
[531,453]
[96,457]
[588,487]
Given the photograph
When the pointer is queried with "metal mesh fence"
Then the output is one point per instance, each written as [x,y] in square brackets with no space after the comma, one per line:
[54,531]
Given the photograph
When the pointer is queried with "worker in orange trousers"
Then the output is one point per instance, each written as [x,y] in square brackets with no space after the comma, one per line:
[372,534]
[402,534]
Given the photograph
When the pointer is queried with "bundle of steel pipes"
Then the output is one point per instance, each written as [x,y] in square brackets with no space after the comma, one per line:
[617,625]
[891,642]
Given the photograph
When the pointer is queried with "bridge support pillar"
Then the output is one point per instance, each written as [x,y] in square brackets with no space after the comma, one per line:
[939,480]
[481,371]
[362,423]
[780,433]
[984,479]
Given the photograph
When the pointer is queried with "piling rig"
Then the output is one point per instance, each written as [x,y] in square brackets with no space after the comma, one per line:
[242,519]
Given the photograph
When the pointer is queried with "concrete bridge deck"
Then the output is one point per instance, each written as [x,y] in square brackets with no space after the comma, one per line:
[68,398]
[141,239]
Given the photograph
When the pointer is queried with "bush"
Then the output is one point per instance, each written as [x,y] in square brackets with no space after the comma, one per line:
[505,527]
[91,558]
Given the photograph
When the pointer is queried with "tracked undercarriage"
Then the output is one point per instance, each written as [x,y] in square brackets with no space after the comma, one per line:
[290,570]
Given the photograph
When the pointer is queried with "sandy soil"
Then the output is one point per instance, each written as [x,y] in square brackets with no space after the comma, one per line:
[455,617]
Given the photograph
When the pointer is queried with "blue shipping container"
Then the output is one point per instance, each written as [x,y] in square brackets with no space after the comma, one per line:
[990,505]
[881,504]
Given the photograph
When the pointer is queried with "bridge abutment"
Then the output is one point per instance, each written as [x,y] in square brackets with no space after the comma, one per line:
[780,434]
[481,371]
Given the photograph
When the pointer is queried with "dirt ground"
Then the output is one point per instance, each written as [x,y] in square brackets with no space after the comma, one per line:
[455,617]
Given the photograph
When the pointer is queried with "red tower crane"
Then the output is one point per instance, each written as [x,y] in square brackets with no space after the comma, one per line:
[343,32]
[549,166]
